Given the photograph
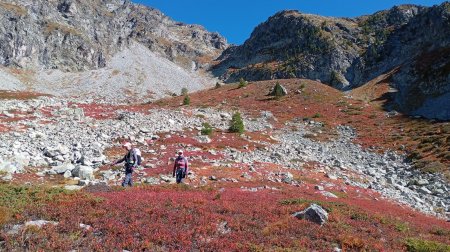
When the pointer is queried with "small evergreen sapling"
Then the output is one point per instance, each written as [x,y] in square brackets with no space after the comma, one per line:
[184,91]
[186,100]
[278,91]
[237,124]
[207,129]
[242,83]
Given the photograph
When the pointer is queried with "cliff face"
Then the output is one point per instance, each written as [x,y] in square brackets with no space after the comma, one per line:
[293,45]
[421,51]
[347,53]
[111,50]
[75,35]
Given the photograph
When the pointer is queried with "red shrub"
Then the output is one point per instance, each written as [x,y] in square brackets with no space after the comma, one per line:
[183,219]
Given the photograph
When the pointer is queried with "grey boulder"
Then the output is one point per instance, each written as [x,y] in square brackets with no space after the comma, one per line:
[313,213]
[83,172]
[152,181]
[64,168]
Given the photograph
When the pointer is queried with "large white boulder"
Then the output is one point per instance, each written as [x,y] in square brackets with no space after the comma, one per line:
[83,172]
[61,169]
[21,159]
[7,167]
[14,164]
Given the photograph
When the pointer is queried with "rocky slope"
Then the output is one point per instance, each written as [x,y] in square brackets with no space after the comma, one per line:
[51,136]
[313,145]
[78,36]
[76,142]
[347,53]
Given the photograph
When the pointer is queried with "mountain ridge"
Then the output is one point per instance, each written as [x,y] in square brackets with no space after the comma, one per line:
[347,53]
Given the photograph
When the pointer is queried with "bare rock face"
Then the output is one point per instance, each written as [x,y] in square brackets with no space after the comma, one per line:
[347,53]
[291,44]
[419,53]
[102,50]
[294,45]
[75,35]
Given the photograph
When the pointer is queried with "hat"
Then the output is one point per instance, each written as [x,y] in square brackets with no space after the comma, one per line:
[127,144]
[180,152]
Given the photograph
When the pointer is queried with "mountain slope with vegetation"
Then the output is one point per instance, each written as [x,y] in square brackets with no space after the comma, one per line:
[311,146]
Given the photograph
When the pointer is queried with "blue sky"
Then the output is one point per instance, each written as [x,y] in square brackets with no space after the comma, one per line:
[236,19]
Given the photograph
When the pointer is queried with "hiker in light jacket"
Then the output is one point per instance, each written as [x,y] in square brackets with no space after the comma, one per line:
[180,168]
[131,162]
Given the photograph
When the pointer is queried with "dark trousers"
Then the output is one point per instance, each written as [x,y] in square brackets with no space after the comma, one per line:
[128,180]
[180,175]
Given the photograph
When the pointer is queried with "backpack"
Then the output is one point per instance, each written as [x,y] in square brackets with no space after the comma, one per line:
[139,156]
[180,162]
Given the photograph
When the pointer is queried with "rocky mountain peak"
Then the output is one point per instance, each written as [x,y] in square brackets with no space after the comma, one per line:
[74,35]
[102,49]
[347,53]
[399,14]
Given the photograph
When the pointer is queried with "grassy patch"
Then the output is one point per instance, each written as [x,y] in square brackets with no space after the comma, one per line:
[341,103]
[15,199]
[440,231]
[302,86]
[53,26]
[12,95]
[430,166]
[419,245]
[341,195]
[5,215]
[359,216]
[402,227]
[353,113]
[19,10]
[433,167]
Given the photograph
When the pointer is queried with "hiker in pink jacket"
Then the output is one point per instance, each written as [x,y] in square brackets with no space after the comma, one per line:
[180,168]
